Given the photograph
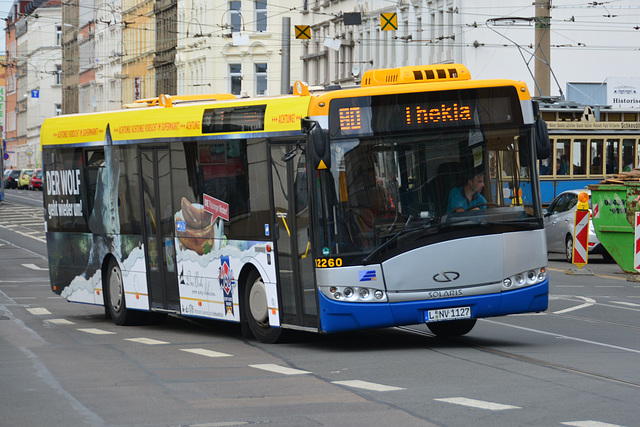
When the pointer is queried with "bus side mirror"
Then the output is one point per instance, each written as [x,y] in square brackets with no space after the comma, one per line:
[317,143]
[543,145]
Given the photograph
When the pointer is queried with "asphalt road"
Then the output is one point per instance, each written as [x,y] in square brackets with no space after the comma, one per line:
[65,364]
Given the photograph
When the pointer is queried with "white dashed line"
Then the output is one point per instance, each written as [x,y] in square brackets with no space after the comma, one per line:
[34,267]
[38,311]
[630,304]
[60,321]
[279,369]
[205,352]
[96,331]
[147,341]
[480,404]
[365,385]
[589,423]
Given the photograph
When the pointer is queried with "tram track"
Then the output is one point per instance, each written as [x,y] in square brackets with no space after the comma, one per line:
[530,360]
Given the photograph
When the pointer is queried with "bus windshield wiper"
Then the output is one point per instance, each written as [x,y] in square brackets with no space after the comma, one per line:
[394,238]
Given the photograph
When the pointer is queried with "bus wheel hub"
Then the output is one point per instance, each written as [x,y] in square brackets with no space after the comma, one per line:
[258,301]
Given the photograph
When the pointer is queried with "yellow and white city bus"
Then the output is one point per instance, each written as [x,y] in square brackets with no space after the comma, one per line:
[321,211]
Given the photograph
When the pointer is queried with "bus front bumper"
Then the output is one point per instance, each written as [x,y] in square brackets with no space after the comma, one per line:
[339,316]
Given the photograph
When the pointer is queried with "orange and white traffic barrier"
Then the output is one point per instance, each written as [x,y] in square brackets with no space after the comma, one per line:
[581,232]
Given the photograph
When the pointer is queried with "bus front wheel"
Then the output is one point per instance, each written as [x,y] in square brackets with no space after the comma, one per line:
[115,296]
[452,328]
[257,310]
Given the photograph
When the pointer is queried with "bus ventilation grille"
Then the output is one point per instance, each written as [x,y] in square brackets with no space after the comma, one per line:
[415,74]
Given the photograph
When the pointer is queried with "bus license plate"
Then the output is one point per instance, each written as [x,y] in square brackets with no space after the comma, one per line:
[447,314]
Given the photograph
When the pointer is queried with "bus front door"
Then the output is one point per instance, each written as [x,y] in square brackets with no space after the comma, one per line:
[159,247]
[296,283]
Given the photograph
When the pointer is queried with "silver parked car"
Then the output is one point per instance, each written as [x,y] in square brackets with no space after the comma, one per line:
[559,221]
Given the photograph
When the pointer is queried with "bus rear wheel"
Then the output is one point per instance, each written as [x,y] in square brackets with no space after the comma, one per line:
[452,328]
[114,297]
[256,310]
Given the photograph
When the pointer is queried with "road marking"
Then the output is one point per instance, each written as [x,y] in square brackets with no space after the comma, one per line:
[96,331]
[147,341]
[589,423]
[480,404]
[365,385]
[38,311]
[630,304]
[34,267]
[279,369]
[589,302]
[601,344]
[26,235]
[205,352]
[60,321]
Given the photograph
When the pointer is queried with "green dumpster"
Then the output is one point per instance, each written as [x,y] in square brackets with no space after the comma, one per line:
[614,206]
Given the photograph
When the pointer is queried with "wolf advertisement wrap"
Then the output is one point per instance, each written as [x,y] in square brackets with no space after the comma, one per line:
[84,205]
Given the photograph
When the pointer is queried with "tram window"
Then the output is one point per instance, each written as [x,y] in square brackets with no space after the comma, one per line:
[563,154]
[597,147]
[579,156]
[545,166]
[612,155]
[627,154]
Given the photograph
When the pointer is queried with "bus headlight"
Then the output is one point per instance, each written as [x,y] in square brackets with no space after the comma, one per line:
[353,294]
[526,278]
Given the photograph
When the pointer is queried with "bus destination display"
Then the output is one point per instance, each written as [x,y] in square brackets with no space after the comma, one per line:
[420,111]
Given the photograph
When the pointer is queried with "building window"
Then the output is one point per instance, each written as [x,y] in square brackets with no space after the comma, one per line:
[235,77]
[261,15]
[58,109]
[235,16]
[261,79]
[58,75]
[58,35]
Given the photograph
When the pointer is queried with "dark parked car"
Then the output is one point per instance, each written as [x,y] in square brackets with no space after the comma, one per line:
[35,182]
[11,180]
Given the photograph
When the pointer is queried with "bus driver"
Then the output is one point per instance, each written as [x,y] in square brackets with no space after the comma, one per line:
[468,196]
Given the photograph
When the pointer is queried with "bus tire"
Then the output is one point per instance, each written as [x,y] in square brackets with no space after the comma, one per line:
[452,328]
[114,297]
[256,310]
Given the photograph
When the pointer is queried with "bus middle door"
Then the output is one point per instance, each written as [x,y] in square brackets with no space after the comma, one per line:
[159,247]
[290,202]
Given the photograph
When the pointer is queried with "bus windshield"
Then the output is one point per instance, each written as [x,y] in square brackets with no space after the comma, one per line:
[387,194]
